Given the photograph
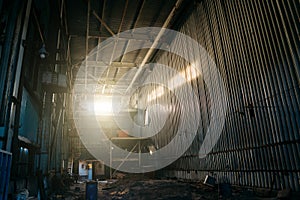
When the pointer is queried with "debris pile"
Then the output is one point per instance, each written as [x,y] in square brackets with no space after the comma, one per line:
[138,187]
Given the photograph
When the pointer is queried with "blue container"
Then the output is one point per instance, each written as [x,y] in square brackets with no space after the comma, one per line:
[225,190]
[91,190]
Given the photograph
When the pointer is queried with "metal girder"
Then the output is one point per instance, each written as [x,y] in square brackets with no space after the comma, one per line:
[125,36]
[13,119]
[155,43]
[120,26]
[103,23]
[134,34]
[113,64]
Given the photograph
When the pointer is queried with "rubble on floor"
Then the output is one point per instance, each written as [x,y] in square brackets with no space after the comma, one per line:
[137,187]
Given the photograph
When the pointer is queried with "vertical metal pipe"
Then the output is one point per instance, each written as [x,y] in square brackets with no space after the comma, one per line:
[5,55]
[47,107]
[15,83]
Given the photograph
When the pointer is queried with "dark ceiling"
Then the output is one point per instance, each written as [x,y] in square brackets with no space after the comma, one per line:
[91,22]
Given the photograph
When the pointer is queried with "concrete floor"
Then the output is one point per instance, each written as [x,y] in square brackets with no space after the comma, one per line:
[136,187]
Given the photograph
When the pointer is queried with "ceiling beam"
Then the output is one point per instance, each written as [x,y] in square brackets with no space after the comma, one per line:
[87,39]
[123,16]
[113,64]
[130,36]
[100,28]
[111,58]
[155,43]
[140,8]
[123,36]
[103,23]
[123,65]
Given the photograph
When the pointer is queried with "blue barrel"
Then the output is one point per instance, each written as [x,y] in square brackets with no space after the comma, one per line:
[91,190]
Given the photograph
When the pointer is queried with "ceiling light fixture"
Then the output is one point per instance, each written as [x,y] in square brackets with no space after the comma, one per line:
[43,53]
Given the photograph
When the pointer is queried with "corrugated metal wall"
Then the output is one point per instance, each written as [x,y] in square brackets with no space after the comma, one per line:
[255,45]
